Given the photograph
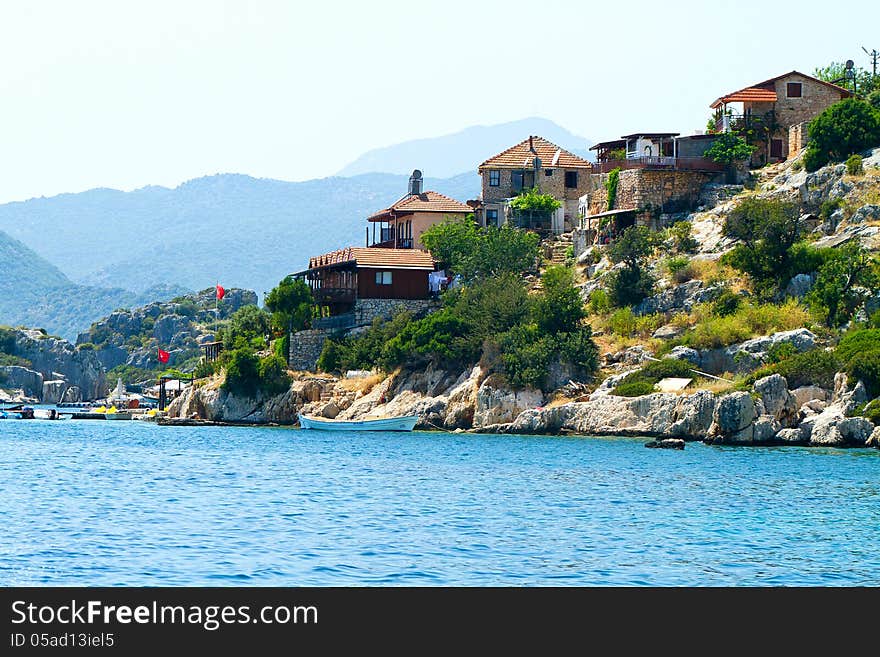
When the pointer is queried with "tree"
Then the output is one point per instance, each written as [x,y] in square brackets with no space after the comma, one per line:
[843,284]
[290,303]
[835,73]
[844,129]
[558,309]
[530,200]
[246,324]
[478,253]
[728,148]
[633,283]
[768,230]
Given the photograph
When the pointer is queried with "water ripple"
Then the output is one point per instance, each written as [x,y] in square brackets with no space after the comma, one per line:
[87,503]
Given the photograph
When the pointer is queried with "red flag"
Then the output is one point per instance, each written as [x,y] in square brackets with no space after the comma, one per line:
[220,292]
[164,356]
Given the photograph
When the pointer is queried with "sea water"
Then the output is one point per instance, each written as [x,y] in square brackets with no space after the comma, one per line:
[132,503]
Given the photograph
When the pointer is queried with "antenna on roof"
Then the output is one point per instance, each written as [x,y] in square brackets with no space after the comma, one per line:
[415,183]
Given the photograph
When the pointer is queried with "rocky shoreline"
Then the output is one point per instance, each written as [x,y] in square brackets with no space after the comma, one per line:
[767,415]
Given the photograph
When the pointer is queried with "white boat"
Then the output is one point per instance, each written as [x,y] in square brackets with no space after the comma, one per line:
[400,423]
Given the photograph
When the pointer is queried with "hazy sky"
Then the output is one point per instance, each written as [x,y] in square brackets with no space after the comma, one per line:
[124,94]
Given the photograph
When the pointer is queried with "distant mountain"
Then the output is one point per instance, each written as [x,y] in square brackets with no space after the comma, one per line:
[227,228]
[33,292]
[462,151]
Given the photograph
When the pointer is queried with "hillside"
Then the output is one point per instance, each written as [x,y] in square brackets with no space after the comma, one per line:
[228,228]
[33,292]
[449,155]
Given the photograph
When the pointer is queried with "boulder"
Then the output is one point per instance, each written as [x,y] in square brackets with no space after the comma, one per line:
[865,213]
[799,285]
[677,298]
[330,410]
[53,391]
[666,443]
[791,437]
[685,353]
[833,428]
[734,418]
[806,394]
[874,438]
[765,429]
[498,405]
[777,399]
[667,332]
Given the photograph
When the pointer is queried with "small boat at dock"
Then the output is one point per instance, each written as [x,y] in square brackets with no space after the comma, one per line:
[399,423]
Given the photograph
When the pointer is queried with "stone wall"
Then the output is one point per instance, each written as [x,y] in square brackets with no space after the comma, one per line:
[650,191]
[797,138]
[306,346]
[366,310]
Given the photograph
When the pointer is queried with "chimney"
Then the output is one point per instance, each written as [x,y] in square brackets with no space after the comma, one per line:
[415,183]
[531,144]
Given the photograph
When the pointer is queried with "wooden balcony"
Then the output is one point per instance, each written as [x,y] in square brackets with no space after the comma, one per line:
[325,296]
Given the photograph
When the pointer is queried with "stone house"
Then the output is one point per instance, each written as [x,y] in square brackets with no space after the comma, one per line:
[533,163]
[400,226]
[769,113]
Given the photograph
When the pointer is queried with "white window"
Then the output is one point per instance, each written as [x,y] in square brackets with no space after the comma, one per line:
[383,278]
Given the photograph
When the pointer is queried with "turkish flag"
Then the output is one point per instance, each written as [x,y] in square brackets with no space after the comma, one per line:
[220,292]
[164,356]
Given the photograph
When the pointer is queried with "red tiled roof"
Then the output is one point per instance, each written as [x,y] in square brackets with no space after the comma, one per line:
[369,257]
[424,202]
[761,91]
[521,156]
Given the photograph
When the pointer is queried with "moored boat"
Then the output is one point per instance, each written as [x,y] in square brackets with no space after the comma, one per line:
[399,423]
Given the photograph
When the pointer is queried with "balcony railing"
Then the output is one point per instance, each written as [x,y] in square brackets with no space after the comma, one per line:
[402,243]
[326,295]
[344,321]
[656,162]
[740,122]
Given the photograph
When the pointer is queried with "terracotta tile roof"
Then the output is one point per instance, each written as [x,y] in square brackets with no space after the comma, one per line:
[424,202]
[748,95]
[521,156]
[768,86]
[372,258]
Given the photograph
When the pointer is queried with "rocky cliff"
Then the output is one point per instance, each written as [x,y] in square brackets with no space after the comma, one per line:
[54,370]
[180,327]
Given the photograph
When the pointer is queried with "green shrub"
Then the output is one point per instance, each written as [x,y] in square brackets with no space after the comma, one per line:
[627,286]
[814,367]
[727,303]
[797,166]
[527,354]
[676,264]
[559,307]
[747,322]
[859,341]
[843,129]
[635,388]
[205,368]
[843,284]
[242,372]
[828,207]
[854,165]
[680,238]
[274,378]
[728,148]
[85,346]
[7,340]
[865,366]
[622,322]
[600,302]
[250,323]
[780,351]
[871,411]
[9,359]
[667,367]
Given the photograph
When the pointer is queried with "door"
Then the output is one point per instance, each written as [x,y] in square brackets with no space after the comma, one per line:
[776,148]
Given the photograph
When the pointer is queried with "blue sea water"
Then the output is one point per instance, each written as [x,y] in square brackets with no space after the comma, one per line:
[131,503]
